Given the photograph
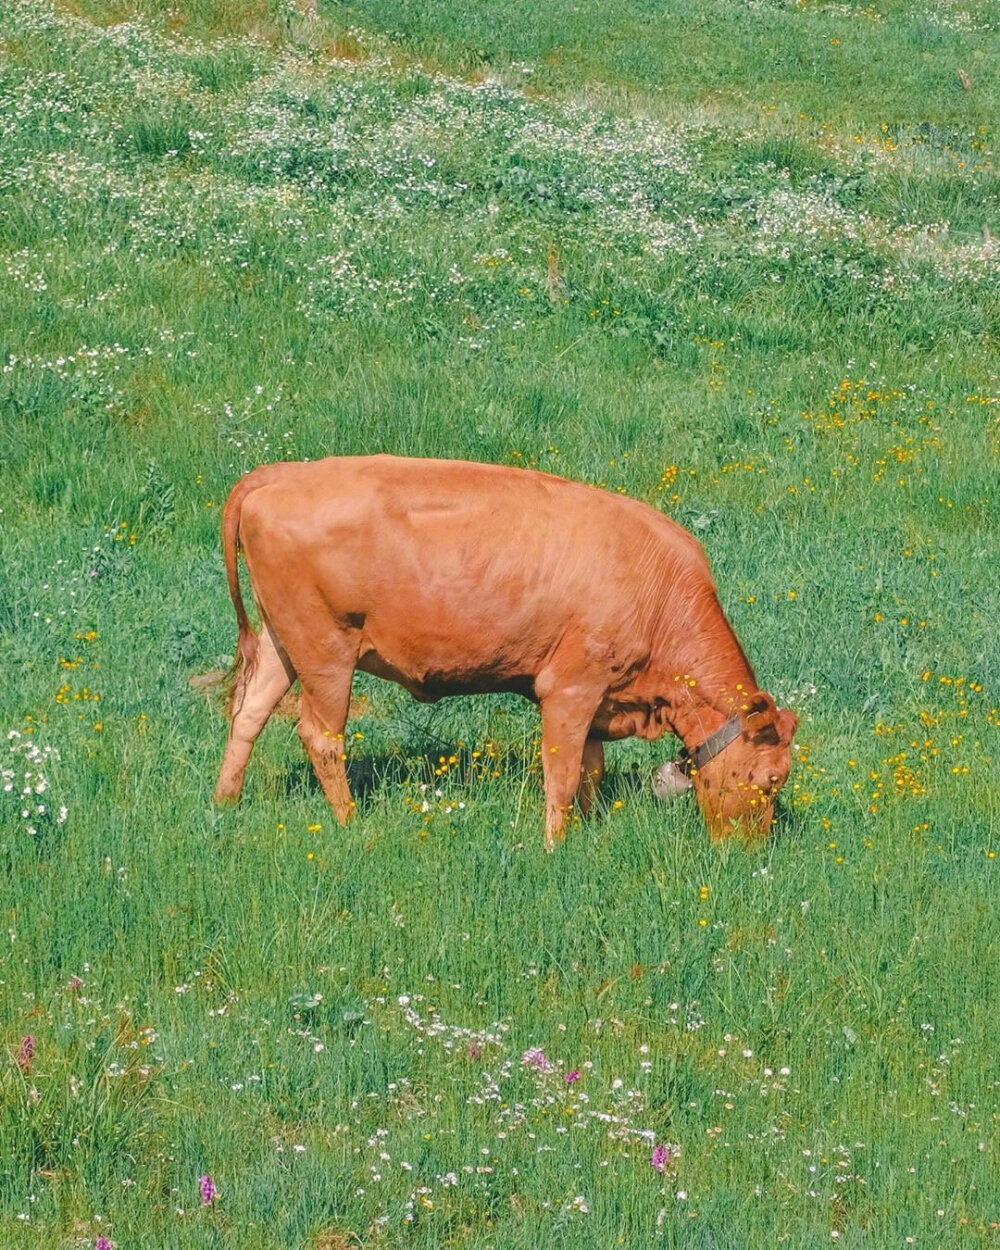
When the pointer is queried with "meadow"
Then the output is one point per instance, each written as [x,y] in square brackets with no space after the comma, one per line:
[738,259]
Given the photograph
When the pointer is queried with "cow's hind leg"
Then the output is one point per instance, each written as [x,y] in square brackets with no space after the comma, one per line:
[591,775]
[326,698]
[256,697]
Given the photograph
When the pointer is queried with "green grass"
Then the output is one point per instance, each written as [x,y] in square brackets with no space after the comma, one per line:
[883,62]
[229,235]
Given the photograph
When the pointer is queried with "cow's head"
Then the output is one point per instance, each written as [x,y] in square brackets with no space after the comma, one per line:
[736,786]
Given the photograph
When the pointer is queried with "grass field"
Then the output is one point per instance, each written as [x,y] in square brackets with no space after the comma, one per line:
[738,259]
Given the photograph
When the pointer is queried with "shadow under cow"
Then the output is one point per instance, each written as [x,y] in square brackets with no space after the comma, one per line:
[414,758]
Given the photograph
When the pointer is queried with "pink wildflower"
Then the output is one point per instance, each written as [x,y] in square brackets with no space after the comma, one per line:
[208,1191]
[537,1058]
[25,1053]
[661,1157]
[570,1077]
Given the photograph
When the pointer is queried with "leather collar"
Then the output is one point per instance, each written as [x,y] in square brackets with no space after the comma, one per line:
[690,760]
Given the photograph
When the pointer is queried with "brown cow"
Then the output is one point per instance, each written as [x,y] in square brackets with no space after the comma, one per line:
[451,577]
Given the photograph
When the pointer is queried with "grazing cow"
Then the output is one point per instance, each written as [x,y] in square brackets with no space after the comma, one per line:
[451,577]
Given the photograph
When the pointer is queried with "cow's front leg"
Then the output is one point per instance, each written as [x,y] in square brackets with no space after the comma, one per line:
[564,733]
[325,701]
[591,775]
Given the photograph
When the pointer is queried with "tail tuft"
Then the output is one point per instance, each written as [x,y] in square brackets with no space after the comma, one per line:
[234,683]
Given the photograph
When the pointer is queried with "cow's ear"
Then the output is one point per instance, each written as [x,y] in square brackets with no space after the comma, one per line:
[766,736]
[768,725]
[758,721]
[788,722]
[761,705]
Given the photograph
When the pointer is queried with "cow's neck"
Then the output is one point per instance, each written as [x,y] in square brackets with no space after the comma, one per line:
[709,685]
[694,717]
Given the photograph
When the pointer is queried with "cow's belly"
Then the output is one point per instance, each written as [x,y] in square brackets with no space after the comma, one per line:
[430,678]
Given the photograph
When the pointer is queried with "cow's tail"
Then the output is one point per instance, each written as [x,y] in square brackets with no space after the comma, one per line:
[247,642]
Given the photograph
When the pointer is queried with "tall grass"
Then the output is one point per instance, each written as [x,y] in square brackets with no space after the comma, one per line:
[750,284]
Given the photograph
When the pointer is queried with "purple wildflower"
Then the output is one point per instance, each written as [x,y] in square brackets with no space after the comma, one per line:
[208,1191]
[103,1243]
[537,1058]
[473,1051]
[661,1157]
[25,1053]
[570,1077]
